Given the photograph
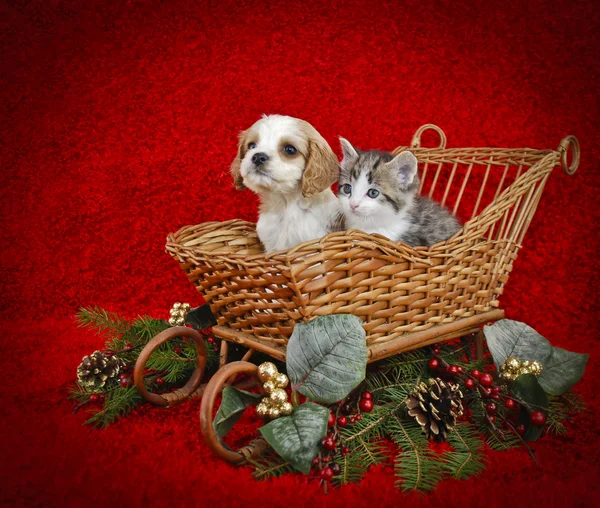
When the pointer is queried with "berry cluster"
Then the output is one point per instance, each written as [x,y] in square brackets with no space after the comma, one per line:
[342,414]
[500,404]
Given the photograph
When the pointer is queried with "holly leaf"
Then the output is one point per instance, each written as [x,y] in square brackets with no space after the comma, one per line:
[527,389]
[233,404]
[327,357]
[562,371]
[296,437]
[512,338]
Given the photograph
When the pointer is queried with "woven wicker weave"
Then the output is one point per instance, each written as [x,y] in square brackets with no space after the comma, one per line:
[396,289]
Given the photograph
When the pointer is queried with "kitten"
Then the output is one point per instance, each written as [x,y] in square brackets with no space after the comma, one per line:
[378,194]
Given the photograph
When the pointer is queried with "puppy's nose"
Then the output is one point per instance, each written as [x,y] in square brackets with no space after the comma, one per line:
[258,159]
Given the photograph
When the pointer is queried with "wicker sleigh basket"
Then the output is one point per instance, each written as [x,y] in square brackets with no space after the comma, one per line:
[406,296]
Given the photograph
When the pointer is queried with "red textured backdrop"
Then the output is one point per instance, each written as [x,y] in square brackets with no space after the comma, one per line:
[118,122]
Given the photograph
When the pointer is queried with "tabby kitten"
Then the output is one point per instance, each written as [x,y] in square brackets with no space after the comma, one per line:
[378,194]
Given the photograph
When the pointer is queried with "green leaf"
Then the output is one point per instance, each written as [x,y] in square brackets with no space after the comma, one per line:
[511,338]
[527,389]
[327,357]
[562,371]
[296,437]
[234,402]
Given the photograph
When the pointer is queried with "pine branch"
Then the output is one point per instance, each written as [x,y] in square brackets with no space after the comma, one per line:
[119,402]
[270,465]
[107,324]
[467,459]
[416,466]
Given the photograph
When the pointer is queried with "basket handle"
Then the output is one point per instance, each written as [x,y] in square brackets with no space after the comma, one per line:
[212,439]
[416,140]
[172,398]
[573,143]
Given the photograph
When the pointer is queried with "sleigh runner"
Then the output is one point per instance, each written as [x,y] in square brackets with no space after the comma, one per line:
[407,297]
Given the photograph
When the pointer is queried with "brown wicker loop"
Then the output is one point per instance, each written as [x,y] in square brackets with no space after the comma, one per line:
[170,399]
[214,387]
[416,140]
[573,143]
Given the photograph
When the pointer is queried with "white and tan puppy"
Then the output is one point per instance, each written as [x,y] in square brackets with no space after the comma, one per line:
[291,167]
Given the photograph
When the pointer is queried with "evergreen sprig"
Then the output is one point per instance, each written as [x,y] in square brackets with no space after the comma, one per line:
[417,467]
[126,338]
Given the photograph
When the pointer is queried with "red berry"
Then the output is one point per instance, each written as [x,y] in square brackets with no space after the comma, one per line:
[345,450]
[492,418]
[488,392]
[336,468]
[123,375]
[496,389]
[494,396]
[331,420]
[126,381]
[537,418]
[468,413]
[326,474]
[460,369]
[342,421]
[328,443]
[509,403]
[476,374]
[160,381]
[366,405]
[315,461]
[486,379]
[469,383]
[520,429]
[325,459]
[491,408]
[211,340]
[102,398]
[367,395]
[437,350]
[353,419]
[177,350]
[434,363]
[453,369]
[358,418]
[346,409]
[94,398]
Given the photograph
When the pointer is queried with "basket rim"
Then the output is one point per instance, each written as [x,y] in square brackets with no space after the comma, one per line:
[372,241]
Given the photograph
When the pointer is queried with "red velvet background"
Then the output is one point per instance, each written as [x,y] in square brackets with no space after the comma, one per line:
[118,124]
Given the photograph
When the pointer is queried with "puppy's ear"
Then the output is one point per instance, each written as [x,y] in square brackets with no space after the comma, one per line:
[235,168]
[404,168]
[322,166]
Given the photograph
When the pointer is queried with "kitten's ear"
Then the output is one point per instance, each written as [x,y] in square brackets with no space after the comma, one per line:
[322,166]
[404,167]
[349,152]
[235,168]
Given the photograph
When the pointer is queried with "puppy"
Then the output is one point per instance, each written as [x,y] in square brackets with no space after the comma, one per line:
[291,167]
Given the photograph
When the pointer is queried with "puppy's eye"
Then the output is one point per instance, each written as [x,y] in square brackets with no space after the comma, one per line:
[346,188]
[373,193]
[290,150]
[251,146]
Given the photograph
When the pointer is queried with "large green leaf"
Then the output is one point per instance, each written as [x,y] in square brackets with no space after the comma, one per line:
[562,371]
[511,338]
[527,389]
[233,404]
[327,357]
[296,437]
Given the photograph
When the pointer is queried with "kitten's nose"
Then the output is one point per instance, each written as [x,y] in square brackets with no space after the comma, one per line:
[258,159]
[353,205]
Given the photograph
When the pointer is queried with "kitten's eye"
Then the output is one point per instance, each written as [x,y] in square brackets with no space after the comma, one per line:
[373,193]
[290,150]
[251,146]
[346,188]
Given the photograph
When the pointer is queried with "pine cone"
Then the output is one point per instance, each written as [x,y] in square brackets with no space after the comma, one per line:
[435,407]
[95,369]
